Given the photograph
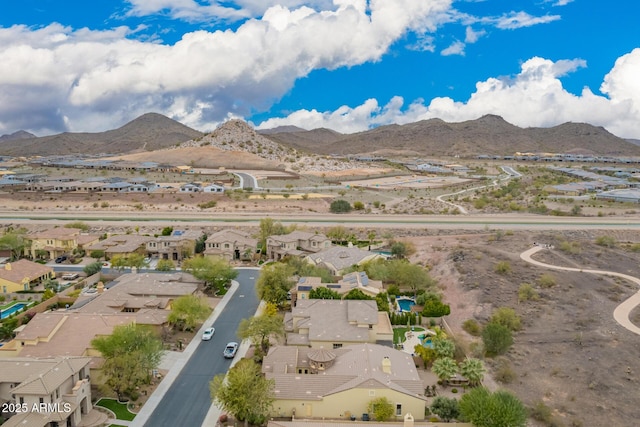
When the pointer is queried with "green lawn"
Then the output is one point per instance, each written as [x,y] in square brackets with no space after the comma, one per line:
[120,409]
[398,333]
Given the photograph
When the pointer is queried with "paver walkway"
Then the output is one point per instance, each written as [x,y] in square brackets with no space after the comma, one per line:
[622,311]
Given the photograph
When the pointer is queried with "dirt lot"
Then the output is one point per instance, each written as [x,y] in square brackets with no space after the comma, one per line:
[570,354]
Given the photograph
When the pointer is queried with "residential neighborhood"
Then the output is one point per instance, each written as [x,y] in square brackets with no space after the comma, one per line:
[324,339]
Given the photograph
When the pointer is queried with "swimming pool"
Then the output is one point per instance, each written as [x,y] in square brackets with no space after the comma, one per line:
[405,303]
[13,309]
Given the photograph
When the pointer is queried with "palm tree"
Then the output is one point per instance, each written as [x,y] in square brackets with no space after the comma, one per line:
[445,368]
[473,370]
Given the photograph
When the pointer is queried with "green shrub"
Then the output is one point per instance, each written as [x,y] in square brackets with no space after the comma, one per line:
[506,317]
[570,247]
[340,206]
[454,390]
[607,241]
[503,267]
[497,339]
[547,280]
[472,327]
[526,292]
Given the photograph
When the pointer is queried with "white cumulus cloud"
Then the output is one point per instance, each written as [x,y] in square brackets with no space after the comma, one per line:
[79,79]
[533,98]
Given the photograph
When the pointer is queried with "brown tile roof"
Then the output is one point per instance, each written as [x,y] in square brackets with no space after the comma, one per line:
[143,291]
[53,373]
[55,233]
[335,320]
[17,271]
[124,243]
[355,366]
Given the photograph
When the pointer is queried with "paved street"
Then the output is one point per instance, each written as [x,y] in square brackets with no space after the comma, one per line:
[187,400]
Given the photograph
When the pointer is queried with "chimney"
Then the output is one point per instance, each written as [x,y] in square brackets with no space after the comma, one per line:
[386,365]
[408,420]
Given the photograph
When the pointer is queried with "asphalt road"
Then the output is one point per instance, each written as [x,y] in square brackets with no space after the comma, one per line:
[187,401]
[457,222]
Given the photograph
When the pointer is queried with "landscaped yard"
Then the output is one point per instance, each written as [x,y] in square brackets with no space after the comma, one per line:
[119,409]
[398,333]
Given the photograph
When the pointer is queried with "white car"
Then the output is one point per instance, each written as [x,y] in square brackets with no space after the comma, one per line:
[208,334]
[230,350]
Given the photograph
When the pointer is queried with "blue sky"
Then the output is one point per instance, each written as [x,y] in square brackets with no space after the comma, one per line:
[349,65]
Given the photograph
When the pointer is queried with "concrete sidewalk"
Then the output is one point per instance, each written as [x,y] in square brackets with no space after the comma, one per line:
[176,361]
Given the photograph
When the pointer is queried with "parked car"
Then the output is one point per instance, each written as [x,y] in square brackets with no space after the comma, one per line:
[61,259]
[230,350]
[208,334]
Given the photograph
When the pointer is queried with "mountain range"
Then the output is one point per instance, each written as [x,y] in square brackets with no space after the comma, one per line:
[487,135]
[148,132]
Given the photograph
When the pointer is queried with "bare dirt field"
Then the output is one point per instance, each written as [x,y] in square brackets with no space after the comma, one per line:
[410,181]
[570,356]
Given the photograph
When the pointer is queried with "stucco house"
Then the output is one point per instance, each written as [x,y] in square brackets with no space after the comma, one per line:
[337,323]
[338,383]
[122,244]
[297,243]
[22,275]
[231,245]
[338,258]
[176,247]
[58,387]
[50,244]
[143,299]
[354,280]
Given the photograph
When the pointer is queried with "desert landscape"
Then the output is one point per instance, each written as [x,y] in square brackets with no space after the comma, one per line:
[571,363]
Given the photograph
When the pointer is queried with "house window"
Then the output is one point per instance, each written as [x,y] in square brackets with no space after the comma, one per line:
[398,409]
[372,393]
[41,400]
[21,400]
[226,246]
[336,345]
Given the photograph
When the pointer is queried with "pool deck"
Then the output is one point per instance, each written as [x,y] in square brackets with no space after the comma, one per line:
[412,340]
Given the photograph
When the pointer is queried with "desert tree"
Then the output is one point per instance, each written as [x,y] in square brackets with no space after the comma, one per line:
[445,408]
[244,392]
[259,329]
[445,368]
[473,370]
[130,353]
[187,311]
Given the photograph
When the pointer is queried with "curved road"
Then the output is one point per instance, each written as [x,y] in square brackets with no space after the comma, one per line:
[187,401]
[511,173]
[621,313]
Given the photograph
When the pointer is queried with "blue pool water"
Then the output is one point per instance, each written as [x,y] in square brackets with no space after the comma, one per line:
[9,311]
[405,304]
